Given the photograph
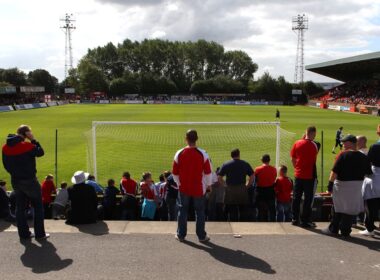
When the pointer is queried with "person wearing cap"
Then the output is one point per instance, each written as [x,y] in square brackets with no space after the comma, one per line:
[304,157]
[371,189]
[338,139]
[84,201]
[346,180]
[19,159]
[192,173]
[236,198]
[265,175]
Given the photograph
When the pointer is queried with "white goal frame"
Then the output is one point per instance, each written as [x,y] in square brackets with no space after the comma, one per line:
[96,123]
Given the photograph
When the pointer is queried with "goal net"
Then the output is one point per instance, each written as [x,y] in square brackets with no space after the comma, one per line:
[137,147]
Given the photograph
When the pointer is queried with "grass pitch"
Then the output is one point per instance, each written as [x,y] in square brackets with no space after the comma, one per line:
[73,121]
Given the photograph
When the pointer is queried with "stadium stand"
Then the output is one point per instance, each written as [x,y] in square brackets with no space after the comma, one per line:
[361,77]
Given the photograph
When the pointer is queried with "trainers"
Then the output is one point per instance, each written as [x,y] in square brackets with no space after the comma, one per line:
[206,239]
[47,235]
[180,239]
[327,231]
[367,233]
[308,225]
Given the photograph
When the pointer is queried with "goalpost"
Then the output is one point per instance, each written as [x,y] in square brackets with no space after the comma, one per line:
[117,146]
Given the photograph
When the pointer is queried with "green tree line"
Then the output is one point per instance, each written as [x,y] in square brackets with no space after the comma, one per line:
[38,77]
[159,66]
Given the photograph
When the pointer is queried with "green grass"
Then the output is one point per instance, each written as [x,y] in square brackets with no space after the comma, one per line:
[72,121]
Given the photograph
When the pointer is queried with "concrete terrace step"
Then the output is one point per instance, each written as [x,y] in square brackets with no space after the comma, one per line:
[140,227]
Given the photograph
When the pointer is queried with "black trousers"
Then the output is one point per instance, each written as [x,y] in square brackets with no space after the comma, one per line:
[266,204]
[338,143]
[341,222]
[372,213]
[306,188]
[129,208]
[236,212]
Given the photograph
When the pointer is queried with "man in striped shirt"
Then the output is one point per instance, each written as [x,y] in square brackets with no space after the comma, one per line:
[192,173]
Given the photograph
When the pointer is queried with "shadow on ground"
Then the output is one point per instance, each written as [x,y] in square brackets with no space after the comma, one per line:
[235,258]
[372,243]
[4,225]
[43,258]
[99,228]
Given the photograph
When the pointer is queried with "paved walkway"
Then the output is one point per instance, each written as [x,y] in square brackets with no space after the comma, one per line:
[147,250]
[124,227]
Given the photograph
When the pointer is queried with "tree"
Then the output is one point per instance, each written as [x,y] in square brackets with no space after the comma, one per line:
[219,84]
[179,62]
[13,76]
[284,89]
[41,77]
[310,88]
[91,78]
[122,86]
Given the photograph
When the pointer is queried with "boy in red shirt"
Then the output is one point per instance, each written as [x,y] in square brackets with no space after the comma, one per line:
[283,188]
[149,205]
[47,189]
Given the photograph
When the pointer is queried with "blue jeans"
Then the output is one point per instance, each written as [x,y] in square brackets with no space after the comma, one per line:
[29,191]
[183,209]
[283,212]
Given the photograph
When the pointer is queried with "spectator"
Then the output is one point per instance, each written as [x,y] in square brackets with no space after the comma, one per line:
[59,206]
[4,200]
[109,200]
[148,193]
[192,173]
[19,159]
[347,178]
[304,156]
[362,144]
[371,190]
[266,197]
[161,192]
[128,188]
[216,199]
[171,196]
[236,193]
[283,188]
[83,199]
[47,188]
[91,182]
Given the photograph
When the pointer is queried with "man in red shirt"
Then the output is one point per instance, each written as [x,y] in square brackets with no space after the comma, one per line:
[128,188]
[192,173]
[283,188]
[265,197]
[304,156]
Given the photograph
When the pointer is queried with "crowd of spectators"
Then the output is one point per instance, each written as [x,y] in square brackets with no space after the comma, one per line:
[124,200]
[233,192]
[360,92]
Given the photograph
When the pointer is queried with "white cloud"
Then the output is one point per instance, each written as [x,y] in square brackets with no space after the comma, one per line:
[261,28]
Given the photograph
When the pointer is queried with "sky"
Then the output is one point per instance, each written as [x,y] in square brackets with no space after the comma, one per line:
[31,37]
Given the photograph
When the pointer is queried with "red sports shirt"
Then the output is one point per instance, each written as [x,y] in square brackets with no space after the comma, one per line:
[192,171]
[147,191]
[305,152]
[129,186]
[47,188]
[265,175]
[283,188]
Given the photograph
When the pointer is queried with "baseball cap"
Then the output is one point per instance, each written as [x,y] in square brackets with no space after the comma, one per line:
[349,138]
